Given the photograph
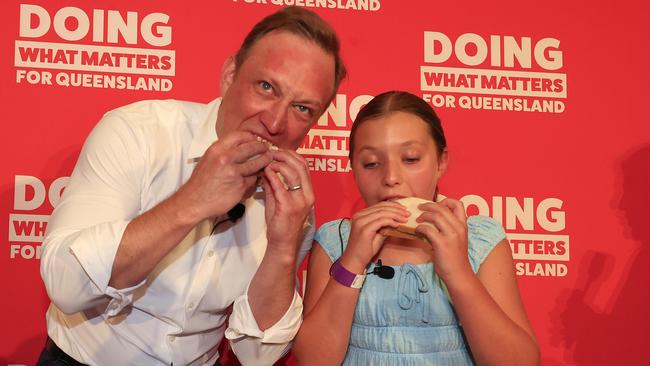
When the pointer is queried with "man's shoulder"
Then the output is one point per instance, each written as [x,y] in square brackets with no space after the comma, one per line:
[159,112]
[150,106]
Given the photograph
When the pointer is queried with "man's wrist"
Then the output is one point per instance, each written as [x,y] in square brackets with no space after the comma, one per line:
[280,253]
[184,213]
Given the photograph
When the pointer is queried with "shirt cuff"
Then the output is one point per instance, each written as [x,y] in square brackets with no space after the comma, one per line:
[97,262]
[242,323]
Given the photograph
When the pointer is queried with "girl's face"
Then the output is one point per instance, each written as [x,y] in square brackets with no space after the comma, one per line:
[395,156]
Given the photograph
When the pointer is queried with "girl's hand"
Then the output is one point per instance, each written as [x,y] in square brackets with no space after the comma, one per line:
[365,241]
[445,225]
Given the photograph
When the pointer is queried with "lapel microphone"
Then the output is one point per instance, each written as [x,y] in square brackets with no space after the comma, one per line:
[233,214]
[385,272]
[236,212]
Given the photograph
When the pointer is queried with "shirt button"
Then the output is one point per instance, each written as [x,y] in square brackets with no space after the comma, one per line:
[190,306]
[171,338]
[211,253]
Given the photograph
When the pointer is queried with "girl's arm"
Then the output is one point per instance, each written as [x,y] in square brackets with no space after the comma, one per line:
[328,312]
[488,303]
[491,312]
[329,306]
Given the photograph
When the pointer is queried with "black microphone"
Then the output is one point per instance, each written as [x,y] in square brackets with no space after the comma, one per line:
[385,272]
[233,214]
[236,212]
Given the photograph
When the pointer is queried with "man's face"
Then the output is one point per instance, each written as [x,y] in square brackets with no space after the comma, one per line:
[279,91]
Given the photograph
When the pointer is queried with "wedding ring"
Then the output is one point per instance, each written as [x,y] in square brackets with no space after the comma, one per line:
[294,188]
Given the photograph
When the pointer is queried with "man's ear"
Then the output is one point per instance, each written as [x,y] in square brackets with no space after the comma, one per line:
[228,71]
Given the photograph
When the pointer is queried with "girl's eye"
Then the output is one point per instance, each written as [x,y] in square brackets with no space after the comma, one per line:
[370,165]
[411,160]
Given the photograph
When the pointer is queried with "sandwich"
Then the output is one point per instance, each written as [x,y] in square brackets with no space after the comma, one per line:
[271,147]
[407,230]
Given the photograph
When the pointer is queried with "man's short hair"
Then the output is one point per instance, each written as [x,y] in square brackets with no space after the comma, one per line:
[301,22]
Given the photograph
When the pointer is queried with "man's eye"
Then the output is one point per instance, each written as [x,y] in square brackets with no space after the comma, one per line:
[265,85]
[411,160]
[370,165]
[303,109]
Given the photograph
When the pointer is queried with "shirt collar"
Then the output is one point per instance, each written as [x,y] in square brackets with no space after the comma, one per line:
[206,134]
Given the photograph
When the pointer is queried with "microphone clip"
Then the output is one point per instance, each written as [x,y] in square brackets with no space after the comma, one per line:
[385,272]
[236,212]
[232,215]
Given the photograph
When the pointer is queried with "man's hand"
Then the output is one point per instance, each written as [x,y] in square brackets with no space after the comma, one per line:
[288,203]
[226,171]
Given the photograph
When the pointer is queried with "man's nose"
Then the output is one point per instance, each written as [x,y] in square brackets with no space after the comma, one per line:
[274,117]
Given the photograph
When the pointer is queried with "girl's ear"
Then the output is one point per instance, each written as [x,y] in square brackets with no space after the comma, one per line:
[443,160]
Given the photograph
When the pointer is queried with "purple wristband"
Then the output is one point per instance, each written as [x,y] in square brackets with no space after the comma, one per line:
[345,277]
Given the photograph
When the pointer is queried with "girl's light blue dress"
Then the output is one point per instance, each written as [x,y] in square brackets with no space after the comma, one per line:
[409,319]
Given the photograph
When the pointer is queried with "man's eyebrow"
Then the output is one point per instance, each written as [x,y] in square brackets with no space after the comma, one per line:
[312,102]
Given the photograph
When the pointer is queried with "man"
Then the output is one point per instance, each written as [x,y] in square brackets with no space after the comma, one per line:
[148,259]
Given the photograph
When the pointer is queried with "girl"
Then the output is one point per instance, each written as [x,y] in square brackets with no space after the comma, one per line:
[451,302]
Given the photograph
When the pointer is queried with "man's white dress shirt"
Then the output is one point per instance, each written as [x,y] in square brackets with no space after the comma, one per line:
[137,156]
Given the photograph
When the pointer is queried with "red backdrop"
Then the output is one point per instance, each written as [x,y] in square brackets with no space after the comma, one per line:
[542,105]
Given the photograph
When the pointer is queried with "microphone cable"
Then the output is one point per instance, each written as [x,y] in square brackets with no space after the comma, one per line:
[385,272]
[233,215]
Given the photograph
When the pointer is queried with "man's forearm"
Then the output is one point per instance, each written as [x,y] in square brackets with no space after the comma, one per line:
[272,288]
[148,239]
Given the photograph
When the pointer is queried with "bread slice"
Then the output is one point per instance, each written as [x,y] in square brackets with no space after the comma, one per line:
[407,230]
[272,147]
